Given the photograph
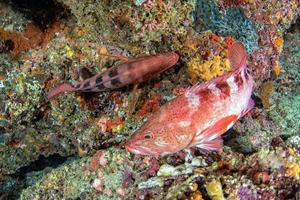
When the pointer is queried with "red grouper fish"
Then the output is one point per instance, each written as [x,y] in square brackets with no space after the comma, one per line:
[133,71]
[201,115]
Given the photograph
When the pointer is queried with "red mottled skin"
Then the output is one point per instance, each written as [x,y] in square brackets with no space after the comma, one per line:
[201,115]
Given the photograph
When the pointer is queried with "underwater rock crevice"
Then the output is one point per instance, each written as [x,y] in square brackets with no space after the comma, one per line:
[42,13]
[28,175]
[41,163]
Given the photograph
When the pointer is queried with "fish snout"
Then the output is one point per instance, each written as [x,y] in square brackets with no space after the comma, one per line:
[137,149]
[174,57]
[169,58]
[131,148]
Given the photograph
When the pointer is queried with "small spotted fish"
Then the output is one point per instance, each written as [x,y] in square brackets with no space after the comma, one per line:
[131,72]
[201,115]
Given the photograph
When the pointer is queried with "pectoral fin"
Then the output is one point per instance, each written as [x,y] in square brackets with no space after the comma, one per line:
[212,145]
[210,139]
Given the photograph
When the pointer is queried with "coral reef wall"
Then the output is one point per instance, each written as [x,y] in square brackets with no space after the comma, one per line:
[79,137]
[226,22]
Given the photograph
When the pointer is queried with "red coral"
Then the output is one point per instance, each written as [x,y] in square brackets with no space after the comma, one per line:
[111,123]
[152,170]
[49,33]
[215,38]
[98,160]
[15,143]
[261,177]
[150,106]
[228,42]
[32,38]
[117,98]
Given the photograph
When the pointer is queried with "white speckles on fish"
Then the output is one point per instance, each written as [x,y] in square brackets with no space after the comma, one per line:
[201,115]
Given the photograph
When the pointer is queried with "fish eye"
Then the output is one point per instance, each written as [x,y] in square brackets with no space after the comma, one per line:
[148,135]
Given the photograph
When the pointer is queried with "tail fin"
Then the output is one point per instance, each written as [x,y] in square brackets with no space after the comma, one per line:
[237,55]
[65,87]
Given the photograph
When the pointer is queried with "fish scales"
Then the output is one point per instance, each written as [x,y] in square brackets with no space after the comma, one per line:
[130,72]
[201,115]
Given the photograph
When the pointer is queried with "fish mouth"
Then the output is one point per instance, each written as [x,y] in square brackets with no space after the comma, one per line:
[131,149]
[138,150]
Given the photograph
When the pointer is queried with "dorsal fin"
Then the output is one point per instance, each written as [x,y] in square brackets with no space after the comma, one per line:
[237,55]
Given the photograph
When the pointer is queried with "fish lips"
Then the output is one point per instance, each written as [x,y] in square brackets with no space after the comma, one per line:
[138,149]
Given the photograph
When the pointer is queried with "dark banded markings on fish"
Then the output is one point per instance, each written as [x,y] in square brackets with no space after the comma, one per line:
[213,89]
[205,93]
[224,88]
[247,72]
[113,72]
[77,86]
[99,79]
[115,82]
[88,90]
[85,85]
[238,80]
[101,87]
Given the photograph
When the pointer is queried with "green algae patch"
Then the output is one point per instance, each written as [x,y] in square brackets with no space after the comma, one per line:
[75,179]
[66,111]
[26,146]
[285,103]
[250,136]
[67,124]
[23,96]
[129,25]
[230,21]
[66,181]
[285,112]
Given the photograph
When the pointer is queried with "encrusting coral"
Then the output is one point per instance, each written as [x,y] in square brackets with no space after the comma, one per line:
[260,159]
[227,22]
[212,60]
[207,70]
